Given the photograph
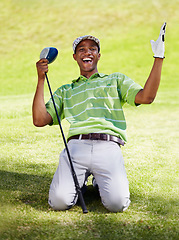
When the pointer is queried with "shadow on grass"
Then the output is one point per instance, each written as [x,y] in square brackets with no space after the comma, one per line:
[27,188]
[93,200]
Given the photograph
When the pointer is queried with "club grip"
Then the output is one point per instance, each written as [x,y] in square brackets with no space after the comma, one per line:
[82,202]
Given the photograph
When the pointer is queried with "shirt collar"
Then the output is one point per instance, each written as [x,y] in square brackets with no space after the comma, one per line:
[95,75]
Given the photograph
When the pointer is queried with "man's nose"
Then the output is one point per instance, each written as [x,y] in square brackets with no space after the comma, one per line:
[88,51]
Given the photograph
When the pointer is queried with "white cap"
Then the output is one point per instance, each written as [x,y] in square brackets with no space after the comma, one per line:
[79,39]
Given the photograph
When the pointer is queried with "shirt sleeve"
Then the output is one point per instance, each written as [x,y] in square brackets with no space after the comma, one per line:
[128,90]
[59,106]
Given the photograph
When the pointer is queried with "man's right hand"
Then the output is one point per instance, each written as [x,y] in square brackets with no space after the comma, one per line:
[42,68]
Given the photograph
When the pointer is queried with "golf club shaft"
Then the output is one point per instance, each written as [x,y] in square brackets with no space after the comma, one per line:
[78,189]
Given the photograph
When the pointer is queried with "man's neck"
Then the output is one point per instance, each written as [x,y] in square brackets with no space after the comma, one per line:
[88,74]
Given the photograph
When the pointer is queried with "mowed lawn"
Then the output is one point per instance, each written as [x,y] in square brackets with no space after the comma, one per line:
[29,155]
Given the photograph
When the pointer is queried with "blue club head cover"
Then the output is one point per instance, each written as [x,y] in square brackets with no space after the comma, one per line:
[50,53]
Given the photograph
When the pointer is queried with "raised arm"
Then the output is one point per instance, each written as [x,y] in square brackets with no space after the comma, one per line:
[148,93]
[40,115]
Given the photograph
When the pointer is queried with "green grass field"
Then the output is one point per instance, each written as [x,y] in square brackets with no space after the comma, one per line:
[29,155]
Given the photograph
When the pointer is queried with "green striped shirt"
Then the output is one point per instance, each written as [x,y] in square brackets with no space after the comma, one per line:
[94,105]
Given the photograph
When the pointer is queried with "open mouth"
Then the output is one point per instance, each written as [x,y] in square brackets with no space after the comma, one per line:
[87,60]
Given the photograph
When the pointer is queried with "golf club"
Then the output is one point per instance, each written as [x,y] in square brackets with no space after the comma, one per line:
[50,53]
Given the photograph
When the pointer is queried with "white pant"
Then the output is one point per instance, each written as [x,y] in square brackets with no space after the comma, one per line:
[105,161]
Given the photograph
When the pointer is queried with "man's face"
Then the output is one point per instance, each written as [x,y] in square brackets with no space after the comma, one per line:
[87,56]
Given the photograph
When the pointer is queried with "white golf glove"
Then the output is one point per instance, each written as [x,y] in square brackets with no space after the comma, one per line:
[158,46]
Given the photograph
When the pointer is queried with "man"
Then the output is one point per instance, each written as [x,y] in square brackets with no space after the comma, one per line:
[93,106]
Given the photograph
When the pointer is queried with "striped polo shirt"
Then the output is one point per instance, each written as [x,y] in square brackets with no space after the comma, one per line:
[94,105]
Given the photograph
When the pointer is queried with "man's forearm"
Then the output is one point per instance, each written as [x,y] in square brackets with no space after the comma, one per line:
[40,115]
[148,93]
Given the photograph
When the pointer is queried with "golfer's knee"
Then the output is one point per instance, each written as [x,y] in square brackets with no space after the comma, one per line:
[60,201]
[117,204]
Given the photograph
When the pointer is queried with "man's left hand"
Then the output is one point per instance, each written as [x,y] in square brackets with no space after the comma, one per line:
[158,46]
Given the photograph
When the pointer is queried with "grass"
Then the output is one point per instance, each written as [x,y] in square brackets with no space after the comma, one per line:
[29,155]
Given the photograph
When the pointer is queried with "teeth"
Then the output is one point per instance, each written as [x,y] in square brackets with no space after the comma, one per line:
[86,59]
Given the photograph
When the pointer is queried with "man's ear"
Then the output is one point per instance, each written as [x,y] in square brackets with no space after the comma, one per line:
[74,56]
[99,55]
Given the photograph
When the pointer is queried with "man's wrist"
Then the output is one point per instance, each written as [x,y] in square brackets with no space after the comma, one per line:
[159,57]
[41,78]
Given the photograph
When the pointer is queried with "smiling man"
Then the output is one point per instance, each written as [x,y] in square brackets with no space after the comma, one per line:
[86,53]
[92,104]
